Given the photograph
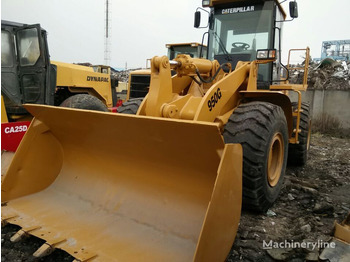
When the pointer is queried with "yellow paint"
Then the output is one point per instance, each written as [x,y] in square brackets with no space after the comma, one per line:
[4,118]
[122,86]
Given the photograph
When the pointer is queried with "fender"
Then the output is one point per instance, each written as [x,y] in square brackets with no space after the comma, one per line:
[273,97]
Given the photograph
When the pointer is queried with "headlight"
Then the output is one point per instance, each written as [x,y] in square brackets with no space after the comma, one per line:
[206,3]
[266,54]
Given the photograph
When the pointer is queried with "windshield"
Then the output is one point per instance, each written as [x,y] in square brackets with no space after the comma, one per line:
[238,32]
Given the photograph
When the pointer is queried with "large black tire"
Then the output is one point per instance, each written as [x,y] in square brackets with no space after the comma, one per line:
[85,101]
[297,154]
[261,129]
[130,107]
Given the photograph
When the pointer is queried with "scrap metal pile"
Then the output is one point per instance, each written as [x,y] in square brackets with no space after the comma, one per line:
[123,76]
[327,75]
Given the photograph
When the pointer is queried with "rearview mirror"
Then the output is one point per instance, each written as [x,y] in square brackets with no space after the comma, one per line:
[293,9]
[197,19]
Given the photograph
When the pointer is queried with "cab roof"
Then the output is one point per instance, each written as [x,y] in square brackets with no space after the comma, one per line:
[247,2]
[193,44]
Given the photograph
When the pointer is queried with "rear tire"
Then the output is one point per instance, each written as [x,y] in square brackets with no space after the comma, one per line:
[261,129]
[85,101]
[297,154]
[130,107]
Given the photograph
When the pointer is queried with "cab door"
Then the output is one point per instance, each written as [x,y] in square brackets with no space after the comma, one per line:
[32,64]
[9,72]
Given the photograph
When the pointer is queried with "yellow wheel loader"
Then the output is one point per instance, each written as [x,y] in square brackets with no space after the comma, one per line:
[202,141]
[139,80]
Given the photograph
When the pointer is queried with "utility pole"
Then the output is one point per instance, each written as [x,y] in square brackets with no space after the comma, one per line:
[108,27]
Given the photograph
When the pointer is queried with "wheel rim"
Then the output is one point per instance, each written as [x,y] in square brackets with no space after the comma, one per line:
[275,161]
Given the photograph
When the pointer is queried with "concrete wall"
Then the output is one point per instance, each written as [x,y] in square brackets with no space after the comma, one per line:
[333,103]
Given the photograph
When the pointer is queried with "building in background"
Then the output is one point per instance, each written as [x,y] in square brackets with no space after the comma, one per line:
[336,49]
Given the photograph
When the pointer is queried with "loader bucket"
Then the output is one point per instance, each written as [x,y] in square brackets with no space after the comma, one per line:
[113,187]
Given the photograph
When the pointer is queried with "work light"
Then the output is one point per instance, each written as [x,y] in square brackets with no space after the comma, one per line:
[205,3]
[264,54]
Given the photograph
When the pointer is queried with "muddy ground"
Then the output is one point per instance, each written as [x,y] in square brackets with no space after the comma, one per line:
[313,197]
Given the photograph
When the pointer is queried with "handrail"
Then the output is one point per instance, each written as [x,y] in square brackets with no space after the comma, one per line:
[306,64]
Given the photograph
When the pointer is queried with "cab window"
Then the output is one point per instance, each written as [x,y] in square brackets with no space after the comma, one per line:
[28,47]
[7,55]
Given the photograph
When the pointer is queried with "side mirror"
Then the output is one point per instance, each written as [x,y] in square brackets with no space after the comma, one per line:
[293,9]
[197,19]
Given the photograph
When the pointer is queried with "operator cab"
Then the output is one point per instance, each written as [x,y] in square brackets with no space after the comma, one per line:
[26,73]
[238,29]
[195,50]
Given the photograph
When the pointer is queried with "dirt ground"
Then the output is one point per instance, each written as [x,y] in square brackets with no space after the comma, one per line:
[313,197]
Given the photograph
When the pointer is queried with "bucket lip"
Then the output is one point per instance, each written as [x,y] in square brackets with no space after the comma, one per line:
[36,111]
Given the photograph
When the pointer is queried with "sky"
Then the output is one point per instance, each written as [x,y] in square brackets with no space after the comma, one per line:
[140,29]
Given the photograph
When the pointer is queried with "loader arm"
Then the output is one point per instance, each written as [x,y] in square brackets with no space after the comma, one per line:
[223,95]
[184,97]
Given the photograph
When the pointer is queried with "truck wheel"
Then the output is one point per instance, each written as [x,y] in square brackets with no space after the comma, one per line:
[297,154]
[261,129]
[85,101]
[130,107]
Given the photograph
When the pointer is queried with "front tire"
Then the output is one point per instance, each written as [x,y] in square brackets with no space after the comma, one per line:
[261,129]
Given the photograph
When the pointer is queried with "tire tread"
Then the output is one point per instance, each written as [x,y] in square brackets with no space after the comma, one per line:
[250,125]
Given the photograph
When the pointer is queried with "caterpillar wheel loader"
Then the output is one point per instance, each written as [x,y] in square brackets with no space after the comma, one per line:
[202,142]
[139,80]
